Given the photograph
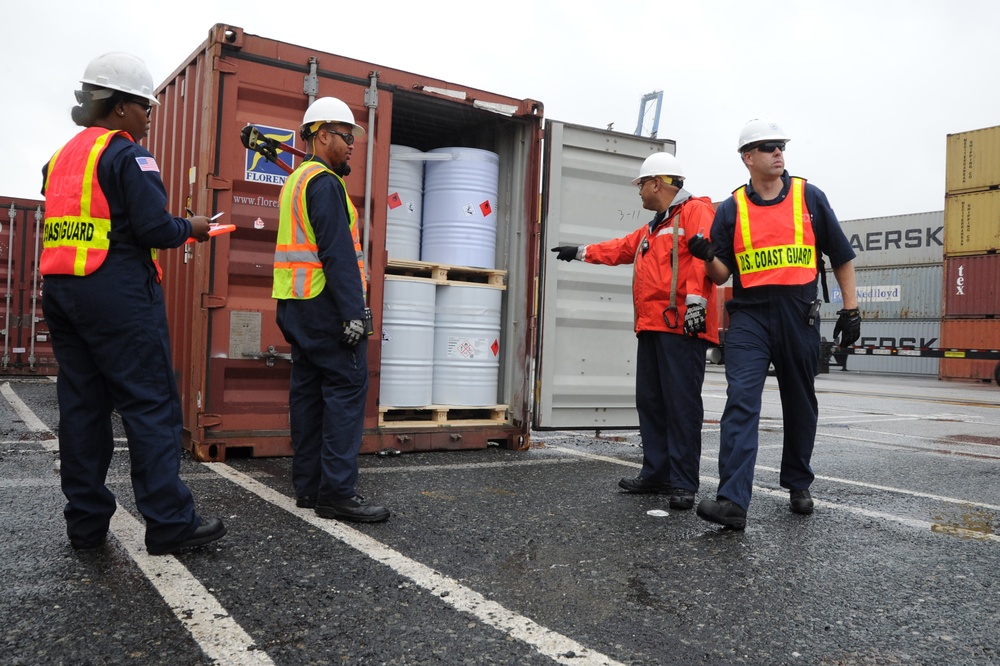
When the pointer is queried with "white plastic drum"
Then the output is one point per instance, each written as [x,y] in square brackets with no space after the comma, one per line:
[407,342]
[406,202]
[460,207]
[466,345]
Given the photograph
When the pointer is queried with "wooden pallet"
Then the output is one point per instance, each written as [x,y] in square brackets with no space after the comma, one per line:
[444,273]
[438,415]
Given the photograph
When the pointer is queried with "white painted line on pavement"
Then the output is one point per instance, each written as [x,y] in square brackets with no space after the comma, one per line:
[545,641]
[217,634]
[32,422]
[912,522]
[439,468]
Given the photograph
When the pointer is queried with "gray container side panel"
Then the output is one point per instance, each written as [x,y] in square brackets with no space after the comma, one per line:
[587,338]
[912,333]
[897,240]
[891,292]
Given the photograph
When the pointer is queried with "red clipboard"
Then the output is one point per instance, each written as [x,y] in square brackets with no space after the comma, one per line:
[215,230]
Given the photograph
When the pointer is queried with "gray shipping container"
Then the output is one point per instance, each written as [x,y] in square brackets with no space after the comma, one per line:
[891,292]
[897,240]
[885,333]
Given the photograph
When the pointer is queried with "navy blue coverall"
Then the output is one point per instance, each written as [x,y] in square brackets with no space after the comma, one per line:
[110,338]
[767,324]
[329,383]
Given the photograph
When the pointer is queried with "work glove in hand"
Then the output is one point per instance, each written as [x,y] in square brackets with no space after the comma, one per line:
[567,252]
[848,327]
[694,319]
[701,247]
[354,330]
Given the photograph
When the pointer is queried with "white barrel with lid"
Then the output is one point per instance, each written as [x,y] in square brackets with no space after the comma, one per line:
[466,345]
[405,202]
[460,207]
[407,342]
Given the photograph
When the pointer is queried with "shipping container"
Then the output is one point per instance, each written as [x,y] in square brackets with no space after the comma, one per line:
[972,160]
[970,334]
[27,345]
[891,292]
[972,286]
[972,223]
[913,333]
[231,360]
[896,240]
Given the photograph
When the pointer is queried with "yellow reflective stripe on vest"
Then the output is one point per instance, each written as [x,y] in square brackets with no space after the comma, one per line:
[782,256]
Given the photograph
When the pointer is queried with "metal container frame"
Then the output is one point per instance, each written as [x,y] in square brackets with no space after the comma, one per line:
[236,404]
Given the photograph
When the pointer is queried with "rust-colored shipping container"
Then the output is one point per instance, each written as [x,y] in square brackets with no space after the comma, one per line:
[972,160]
[231,360]
[27,345]
[972,286]
[972,223]
[969,334]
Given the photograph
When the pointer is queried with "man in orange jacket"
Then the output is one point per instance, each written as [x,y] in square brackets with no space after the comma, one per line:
[675,322]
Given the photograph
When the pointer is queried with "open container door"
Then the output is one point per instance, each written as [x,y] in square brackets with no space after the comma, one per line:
[585,370]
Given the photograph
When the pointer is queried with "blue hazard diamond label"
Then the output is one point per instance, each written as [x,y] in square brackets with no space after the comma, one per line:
[259,169]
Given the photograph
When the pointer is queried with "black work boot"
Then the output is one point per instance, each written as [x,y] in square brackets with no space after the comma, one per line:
[801,502]
[641,486]
[724,512]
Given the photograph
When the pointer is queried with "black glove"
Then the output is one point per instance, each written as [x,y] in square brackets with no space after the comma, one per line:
[694,319]
[848,326]
[354,330]
[701,248]
[566,252]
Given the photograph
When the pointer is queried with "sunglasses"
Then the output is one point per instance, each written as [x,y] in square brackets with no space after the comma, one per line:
[770,146]
[145,105]
[346,136]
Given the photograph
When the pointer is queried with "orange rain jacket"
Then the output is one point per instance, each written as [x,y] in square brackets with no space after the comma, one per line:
[652,268]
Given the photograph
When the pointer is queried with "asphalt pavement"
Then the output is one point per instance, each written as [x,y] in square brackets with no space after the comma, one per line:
[535,557]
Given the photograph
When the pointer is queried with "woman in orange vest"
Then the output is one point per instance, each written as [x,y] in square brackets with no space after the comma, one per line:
[105,213]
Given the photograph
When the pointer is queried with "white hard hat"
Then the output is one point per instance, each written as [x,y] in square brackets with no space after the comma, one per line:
[119,71]
[659,164]
[760,130]
[329,110]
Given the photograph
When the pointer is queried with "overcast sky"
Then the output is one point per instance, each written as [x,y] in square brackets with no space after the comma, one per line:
[867,89]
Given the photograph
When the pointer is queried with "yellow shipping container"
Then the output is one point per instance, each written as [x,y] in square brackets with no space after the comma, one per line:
[973,160]
[972,223]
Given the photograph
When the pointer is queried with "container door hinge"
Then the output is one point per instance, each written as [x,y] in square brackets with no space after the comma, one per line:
[216,183]
[209,420]
[212,302]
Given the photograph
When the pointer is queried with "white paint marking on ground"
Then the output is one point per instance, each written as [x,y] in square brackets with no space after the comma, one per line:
[217,634]
[545,641]
[439,468]
[32,422]
[912,522]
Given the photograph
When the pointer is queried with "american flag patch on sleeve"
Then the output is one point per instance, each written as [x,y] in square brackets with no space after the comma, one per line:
[147,164]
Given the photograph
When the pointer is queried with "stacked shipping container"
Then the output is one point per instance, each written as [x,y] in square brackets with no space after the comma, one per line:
[972,238]
[898,274]
[27,346]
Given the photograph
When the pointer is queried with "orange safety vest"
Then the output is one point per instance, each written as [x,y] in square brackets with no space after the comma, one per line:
[298,271]
[775,244]
[77,216]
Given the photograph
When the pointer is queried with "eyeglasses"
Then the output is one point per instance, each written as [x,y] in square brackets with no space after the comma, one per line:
[643,181]
[346,136]
[145,105]
[770,146]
